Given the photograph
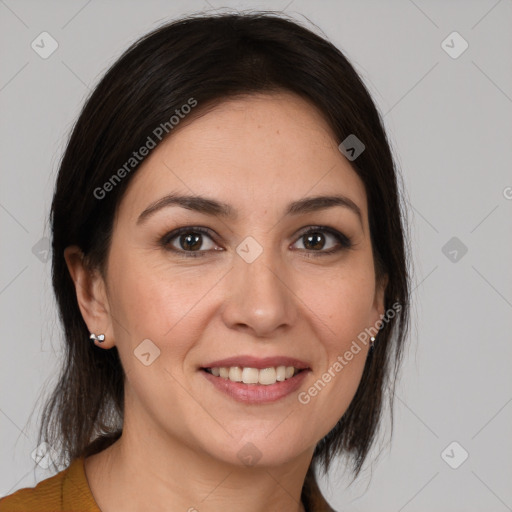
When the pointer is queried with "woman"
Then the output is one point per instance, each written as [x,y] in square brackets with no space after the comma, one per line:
[231,273]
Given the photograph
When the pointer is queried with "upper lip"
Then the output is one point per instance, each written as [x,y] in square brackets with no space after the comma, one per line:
[247,361]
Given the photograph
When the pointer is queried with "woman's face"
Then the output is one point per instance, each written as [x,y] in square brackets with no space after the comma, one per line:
[250,284]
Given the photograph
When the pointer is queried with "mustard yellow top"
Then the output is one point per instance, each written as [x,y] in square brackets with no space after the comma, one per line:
[69,491]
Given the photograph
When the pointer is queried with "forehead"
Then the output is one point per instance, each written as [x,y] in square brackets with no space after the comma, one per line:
[259,151]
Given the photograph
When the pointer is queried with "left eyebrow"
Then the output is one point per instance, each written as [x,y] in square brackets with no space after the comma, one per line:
[317,203]
[217,208]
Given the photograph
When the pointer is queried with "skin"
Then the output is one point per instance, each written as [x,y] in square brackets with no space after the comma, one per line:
[181,435]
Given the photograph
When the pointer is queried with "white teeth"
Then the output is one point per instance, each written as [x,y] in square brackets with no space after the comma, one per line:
[265,376]
[250,375]
[235,374]
[281,373]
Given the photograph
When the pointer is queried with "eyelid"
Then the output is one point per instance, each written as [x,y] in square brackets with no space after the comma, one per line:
[326,229]
[165,241]
[344,241]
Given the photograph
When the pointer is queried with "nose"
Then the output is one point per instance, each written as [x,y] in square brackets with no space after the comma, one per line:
[260,298]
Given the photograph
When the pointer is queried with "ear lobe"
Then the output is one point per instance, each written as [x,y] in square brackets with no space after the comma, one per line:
[90,291]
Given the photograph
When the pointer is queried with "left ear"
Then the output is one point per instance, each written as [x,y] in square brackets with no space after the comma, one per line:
[378,303]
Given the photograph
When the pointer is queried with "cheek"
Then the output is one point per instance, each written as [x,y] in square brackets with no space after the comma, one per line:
[153,305]
[340,314]
[163,304]
[154,298]
[341,304]
[348,304]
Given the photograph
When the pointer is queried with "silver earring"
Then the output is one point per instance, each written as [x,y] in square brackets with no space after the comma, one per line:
[100,338]
[372,341]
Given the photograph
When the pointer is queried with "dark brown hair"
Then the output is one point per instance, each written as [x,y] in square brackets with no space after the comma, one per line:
[211,58]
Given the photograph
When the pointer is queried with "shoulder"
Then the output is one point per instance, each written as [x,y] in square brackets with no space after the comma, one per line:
[45,496]
[67,490]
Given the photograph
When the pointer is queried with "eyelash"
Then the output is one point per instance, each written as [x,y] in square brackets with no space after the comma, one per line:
[344,241]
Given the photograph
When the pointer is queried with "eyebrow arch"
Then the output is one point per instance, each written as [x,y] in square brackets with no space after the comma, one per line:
[217,208]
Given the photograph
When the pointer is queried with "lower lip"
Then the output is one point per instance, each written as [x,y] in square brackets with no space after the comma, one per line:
[257,393]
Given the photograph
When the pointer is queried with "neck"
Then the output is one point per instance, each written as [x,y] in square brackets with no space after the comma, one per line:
[155,472]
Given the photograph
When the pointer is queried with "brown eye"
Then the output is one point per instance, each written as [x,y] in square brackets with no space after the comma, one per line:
[316,240]
[189,241]
[197,241]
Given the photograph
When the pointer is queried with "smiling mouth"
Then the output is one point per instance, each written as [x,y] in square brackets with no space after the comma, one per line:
[254,376]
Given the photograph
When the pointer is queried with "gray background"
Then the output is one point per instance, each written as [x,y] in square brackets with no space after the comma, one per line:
[450,125]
